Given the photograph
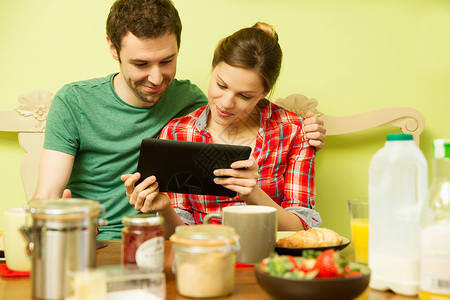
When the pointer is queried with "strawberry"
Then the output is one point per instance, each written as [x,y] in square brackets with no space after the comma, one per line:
[294,263]
[352,274]
[351,271]
[329,264]
[307,265]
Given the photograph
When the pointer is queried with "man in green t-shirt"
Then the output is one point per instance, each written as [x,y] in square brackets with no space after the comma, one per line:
[95,127]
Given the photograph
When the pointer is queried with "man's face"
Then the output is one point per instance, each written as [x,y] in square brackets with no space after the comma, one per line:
[147,66]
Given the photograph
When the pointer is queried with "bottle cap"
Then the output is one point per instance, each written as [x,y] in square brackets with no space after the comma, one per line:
[205,235]
[63,209]
[399,137]
[441,148]
[143,220]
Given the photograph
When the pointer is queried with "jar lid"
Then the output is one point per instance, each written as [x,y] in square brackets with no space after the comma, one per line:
[143,220]
[205,235]
[63,209]
[399,137]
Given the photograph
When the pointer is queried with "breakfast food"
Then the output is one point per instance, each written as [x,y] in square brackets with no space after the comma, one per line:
[207,275]
[313,237]
[315,264]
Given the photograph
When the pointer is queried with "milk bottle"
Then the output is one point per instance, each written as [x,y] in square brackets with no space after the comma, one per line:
[398,182]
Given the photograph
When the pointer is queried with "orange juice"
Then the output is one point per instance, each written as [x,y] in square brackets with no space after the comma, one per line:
[360,239]
[431,296]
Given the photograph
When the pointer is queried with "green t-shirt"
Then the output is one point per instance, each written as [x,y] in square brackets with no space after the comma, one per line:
[89,120]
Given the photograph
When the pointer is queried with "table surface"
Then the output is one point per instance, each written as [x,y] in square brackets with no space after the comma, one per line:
[246,286]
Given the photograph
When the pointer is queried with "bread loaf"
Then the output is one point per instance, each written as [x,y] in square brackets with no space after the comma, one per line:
[313,237]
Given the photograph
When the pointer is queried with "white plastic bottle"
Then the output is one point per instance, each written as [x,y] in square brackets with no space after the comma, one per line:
[435,231]
[398,184]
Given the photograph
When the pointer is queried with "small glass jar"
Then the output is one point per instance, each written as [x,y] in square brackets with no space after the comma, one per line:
[143,242]
[205,257]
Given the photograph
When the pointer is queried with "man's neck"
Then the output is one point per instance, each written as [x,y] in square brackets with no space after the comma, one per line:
[121,89]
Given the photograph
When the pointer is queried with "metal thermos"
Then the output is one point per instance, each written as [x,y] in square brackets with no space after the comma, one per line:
[62,238]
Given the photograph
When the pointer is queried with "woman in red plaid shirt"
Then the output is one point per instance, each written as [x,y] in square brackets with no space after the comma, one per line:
[280,172]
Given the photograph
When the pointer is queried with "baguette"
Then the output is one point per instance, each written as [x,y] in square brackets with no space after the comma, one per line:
[313,237]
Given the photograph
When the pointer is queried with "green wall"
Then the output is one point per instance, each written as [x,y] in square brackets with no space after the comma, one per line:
[353,56]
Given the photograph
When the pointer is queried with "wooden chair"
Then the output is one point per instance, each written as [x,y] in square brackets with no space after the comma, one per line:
[407,119]
[29,118]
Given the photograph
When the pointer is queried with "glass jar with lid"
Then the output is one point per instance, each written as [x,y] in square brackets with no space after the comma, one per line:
[204,262]
[143,241]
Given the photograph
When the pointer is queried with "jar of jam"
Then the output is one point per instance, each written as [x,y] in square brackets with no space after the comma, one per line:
[143,242]
[204,260]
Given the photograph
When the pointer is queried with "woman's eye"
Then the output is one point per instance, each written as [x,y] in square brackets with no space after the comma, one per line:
[245,97]
[221,86]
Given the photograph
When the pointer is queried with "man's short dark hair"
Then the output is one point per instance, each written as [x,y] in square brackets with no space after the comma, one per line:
[143,18]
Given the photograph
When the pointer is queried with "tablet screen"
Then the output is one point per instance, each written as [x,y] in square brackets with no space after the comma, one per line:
[187,167]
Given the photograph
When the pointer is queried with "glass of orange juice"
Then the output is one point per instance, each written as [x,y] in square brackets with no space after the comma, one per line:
[359,224]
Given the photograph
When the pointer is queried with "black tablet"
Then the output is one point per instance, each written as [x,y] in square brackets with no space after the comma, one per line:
[187,167]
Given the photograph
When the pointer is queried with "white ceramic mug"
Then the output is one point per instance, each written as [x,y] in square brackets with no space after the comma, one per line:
[256,226]
[15,245]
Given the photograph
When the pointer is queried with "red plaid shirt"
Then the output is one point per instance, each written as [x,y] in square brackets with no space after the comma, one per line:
[284,157]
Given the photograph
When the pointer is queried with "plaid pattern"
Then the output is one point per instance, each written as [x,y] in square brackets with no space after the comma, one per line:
[284,157]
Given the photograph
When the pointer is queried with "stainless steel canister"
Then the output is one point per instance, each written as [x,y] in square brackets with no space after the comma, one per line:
[62,238]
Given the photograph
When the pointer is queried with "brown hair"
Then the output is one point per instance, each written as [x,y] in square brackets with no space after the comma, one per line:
[143,18]
[255,48]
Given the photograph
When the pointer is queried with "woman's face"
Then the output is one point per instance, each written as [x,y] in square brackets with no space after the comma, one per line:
[233,94]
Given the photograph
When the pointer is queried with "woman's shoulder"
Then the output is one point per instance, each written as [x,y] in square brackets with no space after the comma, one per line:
[284,116]
[284,123]
[187,119]
[182,124]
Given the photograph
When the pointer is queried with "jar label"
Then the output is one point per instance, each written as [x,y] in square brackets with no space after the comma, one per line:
[150,254]
[435,274]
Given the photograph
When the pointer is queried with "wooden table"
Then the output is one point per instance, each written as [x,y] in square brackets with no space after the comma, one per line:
[246,286]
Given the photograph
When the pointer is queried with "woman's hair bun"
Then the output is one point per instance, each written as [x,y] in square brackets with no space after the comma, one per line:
[268,29]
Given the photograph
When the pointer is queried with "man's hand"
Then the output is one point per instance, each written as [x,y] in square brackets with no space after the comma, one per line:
[145,197]
[67,194]
[315,131]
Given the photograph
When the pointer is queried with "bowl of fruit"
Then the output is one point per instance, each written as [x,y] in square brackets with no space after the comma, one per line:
[315,275]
